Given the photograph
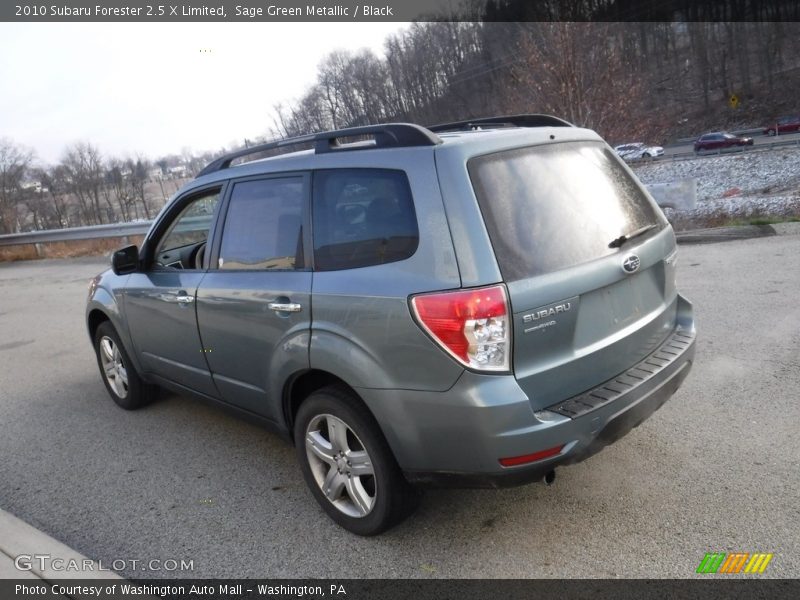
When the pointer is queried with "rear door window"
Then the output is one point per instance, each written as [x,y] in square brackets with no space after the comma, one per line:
[555,206]
[362,217]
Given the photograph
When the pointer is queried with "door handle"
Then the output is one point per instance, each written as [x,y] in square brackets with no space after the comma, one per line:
[284,307]
[180,297]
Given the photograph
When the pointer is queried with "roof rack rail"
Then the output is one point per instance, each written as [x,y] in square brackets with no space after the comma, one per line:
[389,135]
[503,121]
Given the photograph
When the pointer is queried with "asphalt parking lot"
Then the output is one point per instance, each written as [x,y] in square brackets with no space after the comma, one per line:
[716,469]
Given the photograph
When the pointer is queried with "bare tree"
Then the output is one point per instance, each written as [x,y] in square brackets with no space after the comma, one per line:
[40,211]
[138,177]
[413,82]
[85,175]
[54,181]
[117,185]
[14,164]
[578,71]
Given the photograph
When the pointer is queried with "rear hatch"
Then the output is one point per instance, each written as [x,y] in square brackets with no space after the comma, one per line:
[587,303]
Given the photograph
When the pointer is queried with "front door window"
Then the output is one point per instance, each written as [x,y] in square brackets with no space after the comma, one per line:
[183,245]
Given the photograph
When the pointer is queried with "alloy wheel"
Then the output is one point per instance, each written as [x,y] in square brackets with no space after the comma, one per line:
[113,367]
[341,465]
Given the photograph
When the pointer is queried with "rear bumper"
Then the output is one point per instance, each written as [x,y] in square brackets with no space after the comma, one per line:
[456,438]
[584,434]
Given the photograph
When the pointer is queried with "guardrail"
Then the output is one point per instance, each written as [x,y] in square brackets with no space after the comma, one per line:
[72,234]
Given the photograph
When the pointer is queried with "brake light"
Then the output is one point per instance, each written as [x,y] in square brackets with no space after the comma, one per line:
[473,326]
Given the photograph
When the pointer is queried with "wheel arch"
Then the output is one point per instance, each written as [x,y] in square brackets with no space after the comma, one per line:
[303,384]
[94,319]
[101,309]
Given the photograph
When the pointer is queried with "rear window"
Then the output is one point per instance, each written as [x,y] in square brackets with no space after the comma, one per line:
[556,206]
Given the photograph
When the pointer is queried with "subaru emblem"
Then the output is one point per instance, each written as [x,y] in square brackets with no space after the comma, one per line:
[631,264]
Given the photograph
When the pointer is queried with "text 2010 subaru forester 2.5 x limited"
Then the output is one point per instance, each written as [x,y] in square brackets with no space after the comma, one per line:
[471,304]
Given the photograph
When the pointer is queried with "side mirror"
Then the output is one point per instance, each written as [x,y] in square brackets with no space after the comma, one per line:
[125,260]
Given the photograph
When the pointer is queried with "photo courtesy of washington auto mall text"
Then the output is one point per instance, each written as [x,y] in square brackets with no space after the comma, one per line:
[168,590]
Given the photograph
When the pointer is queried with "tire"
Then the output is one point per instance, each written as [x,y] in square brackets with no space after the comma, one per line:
[120,377]
[771,132]
[348,465]
[646,155]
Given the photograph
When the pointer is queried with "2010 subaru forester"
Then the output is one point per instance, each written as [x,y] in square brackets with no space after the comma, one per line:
[471,304]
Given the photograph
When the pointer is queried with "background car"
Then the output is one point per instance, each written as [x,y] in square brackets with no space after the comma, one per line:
[783,125]
[719,140]
[638,151]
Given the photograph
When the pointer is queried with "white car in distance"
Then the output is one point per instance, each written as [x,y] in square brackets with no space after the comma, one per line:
[638,151]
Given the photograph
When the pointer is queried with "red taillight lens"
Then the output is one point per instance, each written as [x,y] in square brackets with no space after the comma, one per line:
[529,458]
[472,325]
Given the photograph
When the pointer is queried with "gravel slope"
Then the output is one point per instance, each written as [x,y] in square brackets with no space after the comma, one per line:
[753,184]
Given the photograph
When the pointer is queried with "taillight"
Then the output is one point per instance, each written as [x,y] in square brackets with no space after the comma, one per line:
[471,325]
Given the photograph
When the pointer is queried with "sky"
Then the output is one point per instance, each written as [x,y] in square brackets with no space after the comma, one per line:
[156,89]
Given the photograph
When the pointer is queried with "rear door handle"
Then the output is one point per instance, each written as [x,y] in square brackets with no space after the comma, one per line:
[284,307]
[184,299]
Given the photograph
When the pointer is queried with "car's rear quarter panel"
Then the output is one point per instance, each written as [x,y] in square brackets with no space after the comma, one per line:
[362,328]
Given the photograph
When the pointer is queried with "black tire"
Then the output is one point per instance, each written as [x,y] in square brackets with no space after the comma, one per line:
[392,497]
[125,387]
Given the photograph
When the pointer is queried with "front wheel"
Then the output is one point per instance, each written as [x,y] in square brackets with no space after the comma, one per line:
[119,375]
[348,465]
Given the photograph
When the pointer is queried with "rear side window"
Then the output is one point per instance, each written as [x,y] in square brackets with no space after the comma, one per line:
[264,225]
[362,217]
[555,206]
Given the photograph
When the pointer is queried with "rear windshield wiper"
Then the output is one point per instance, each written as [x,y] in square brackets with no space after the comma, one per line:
[617,243]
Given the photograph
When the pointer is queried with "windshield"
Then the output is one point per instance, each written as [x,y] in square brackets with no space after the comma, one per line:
[555,206]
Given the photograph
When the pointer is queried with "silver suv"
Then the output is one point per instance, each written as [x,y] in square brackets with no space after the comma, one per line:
[471,304]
